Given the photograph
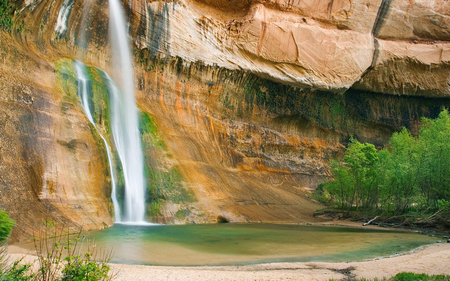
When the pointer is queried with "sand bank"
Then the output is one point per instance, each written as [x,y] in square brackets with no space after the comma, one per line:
[433,259]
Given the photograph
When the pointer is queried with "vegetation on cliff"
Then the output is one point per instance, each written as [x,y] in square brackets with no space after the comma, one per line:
[408,178]
[7,11]
[165,184]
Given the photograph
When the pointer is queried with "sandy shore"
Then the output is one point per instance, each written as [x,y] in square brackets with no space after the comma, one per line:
[433,259]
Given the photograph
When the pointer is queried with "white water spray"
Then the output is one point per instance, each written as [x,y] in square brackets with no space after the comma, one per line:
[124,118]
[83,95]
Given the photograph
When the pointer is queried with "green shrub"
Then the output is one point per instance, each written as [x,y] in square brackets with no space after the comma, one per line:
[6,224]
[16,271]
[408,276]
[79,268]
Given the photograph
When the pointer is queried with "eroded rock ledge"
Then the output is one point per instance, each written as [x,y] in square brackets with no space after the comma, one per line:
[326,45]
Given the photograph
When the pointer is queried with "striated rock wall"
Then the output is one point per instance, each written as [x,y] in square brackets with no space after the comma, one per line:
[419,20]
[330,45]
[252,149]
[326,45]
[51,164]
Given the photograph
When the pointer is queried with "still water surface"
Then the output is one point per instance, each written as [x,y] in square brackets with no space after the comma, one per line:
[225,244]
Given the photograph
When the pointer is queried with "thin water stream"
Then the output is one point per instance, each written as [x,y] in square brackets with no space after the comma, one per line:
[231,244]
[83,80]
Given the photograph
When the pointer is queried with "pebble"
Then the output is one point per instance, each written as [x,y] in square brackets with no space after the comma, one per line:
[439,241]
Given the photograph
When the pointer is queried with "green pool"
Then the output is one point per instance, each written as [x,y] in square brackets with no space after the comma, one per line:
[226,244]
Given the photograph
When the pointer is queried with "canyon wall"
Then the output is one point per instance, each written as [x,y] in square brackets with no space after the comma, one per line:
[250,99]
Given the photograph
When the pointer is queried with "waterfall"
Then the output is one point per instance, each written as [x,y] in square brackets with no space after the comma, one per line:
[124,118]
[123,114]
[83,89]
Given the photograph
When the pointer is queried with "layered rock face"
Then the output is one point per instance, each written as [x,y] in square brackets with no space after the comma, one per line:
[327,45]
[251,98]
[52,167]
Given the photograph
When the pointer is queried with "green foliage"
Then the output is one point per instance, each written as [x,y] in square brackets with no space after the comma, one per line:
[356,177]
[7,11]
[411,175]
[408,276]
[434,153]
[6,224]
[16,272]
[80,268]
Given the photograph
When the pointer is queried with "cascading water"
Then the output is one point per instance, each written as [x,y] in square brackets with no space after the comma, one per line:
[83,79]
[124,118]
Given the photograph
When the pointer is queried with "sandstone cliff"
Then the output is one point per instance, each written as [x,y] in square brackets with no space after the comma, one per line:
[250,98]
[52,166]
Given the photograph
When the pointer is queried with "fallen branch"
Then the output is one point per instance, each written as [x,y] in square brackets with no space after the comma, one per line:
[369,222]
[424,220]
[396,217]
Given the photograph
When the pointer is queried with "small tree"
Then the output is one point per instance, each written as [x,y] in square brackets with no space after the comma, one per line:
[434,147]
[361,160]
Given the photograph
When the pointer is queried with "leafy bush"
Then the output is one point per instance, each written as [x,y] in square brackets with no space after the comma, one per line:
[80,268]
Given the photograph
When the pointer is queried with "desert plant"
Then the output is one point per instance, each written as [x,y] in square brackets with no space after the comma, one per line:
[60,256]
